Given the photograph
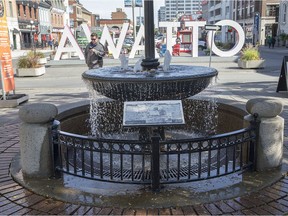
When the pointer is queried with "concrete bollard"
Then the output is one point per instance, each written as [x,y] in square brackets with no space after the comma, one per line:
[271,131]
[35,149]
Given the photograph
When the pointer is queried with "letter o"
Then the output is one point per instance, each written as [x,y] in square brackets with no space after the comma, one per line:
[240,40]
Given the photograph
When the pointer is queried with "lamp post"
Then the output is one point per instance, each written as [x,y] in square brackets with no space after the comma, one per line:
[149,62]
[133,20]
[32,38]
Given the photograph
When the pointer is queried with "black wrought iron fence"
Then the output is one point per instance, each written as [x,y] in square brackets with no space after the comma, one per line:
[153,162]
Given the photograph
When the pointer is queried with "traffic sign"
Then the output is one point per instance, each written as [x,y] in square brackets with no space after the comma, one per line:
[213,27]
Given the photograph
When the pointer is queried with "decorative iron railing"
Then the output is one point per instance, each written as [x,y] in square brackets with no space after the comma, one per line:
[153,162]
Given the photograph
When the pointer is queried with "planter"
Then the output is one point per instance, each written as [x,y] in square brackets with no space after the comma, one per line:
[21,72]
[251,64]
[43,61]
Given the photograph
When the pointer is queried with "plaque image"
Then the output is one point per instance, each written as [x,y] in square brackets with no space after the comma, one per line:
[153,113]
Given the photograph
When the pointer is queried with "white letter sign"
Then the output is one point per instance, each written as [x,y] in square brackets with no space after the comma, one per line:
[239,41]
[67,34]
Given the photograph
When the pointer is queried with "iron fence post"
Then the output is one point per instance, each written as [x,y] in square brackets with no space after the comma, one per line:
[55,147]
[155,162]
[255,124]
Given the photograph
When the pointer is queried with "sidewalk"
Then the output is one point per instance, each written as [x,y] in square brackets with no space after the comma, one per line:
[63,85]
[17,53]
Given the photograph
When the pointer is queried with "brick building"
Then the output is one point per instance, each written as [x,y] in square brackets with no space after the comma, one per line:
[75,14]
[57,19]
[27,12]
[45,26]
[257,18]
[115,24]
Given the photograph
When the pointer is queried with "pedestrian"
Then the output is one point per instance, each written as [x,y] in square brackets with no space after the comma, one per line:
[50,43]
[94,52]
[56,44]
[273,41]
[269,41]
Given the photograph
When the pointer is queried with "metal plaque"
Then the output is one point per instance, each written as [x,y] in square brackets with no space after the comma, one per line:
[153,113]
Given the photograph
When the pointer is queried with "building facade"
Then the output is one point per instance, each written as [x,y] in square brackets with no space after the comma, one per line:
[57,20]
[175,7]
[27,12]
[243,12]
[215,11]
[283,18]
[12,22]
[66,16]
[45,26]
[119,14]
[258,18]
[87,16]
[205,9]
[161,18]
[75,14]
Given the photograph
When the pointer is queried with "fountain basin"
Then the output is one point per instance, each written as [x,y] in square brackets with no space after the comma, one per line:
[179,83]
[224,118]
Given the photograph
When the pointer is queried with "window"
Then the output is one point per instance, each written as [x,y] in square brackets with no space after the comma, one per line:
[271,10]
[18,9]
[284,13]
[35,13]
[227,10]
[24,10]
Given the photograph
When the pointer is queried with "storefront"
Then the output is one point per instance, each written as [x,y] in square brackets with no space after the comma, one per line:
[57,34]
[44,35]
[27,32]
[15,38]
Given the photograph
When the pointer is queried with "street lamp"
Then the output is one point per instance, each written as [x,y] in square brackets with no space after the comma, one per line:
[133,20]
[32,38]
[149,62]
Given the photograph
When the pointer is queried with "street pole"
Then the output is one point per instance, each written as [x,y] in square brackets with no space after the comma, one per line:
[149,62]
[32,37]
[2,82]
[134,29]
[211,48]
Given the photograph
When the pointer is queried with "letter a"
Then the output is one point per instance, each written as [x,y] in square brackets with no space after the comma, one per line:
[67,34]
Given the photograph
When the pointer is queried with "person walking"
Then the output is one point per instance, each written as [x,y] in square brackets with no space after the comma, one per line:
[269,41]
[273,41]
[94,52]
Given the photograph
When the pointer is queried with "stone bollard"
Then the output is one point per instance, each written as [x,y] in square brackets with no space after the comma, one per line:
[271,131]
[35,149]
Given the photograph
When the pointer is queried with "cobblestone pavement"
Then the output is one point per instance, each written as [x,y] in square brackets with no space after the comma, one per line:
[16,200]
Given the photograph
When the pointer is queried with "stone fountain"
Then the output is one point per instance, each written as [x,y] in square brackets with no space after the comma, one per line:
[179,82]
[108,157]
